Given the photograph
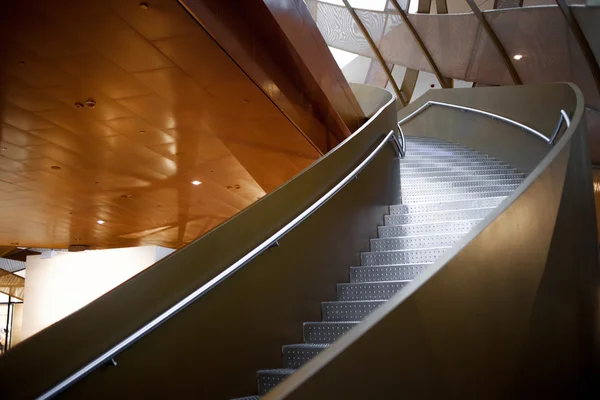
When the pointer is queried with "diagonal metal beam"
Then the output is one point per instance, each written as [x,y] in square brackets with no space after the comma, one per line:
[488,29]
[367,36]
[581,40]
[444,82]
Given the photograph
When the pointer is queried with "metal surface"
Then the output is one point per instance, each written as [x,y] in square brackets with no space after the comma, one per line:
[513,304]
[444,82]
[375,50]
[591,60]
[564,118]
[470,109]
[497,44]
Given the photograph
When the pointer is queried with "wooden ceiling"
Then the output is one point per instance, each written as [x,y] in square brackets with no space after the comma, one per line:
[171,107]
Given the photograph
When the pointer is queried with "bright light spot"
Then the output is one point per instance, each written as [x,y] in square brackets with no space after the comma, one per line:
[517,56]
[196,183]
[101,222]
[342,58]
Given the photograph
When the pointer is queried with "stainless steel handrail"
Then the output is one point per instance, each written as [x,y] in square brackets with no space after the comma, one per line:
[564,117]
[110,354]
[489,114]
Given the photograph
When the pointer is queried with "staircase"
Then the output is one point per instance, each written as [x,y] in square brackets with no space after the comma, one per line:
[447,189]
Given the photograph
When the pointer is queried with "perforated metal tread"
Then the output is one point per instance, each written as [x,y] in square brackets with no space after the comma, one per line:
[408,199]
[432,216]
[248,398]
[296,355]
[408,181]
[386,272]
[414,242]
[402,257]
[348,310]
[269,378]
[425,186]
[446,205]
[430,228]
[447,189]
[325,331]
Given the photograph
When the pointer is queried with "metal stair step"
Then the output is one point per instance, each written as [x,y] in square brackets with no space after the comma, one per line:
[433,163]
[348,310]
[446,215]
[445,173]
[393,231]
[465,169]
[455,196]
[414,242]
[446,205]
[415,191]
[296,355]
[269,378]
[407,181]
[248,398]
[401,257]
[424,185]
[369,290]
[383,273]
[325,331]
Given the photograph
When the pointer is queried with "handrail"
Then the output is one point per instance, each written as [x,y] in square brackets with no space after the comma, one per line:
[563,115]
[108,356]
[563,118]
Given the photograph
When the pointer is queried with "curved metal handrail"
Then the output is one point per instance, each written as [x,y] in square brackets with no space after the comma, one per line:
[108,356]
[563,117]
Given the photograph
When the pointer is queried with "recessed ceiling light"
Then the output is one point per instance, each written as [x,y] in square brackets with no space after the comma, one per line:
[518,56]
[144,6]
[142,132]
[196,183]
[100,222]
[55,167]
[4,148]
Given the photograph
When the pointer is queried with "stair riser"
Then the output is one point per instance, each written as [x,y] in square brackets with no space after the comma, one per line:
[368,291]
[408,181]
[321,332]
[413,242]
[421,256]
[410,174]
[404,165]
[385,273]
[454,215]
[348,311]
[426,229]
[461,169]
[295,357]
[412,192]
[456,205]
[408,199]
[423,185]
[267,381]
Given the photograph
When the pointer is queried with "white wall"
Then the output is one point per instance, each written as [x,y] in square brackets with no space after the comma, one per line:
[55,287]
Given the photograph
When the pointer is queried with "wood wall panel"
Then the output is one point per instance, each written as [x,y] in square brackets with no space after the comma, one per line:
[171,107]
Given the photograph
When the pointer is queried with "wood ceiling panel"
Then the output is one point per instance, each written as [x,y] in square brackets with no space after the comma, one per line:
[118,42]
[77,121]
[17,153]
[19,137]
[28,97]
[75,92]
[163,18]
[141,131]
[23,119]
[99,72]
[31,68]
[196,113]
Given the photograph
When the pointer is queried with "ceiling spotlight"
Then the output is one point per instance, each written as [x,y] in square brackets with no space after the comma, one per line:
[100,222]
[196,183]
[4,148]
[144,6]
[55,167]
[518,56]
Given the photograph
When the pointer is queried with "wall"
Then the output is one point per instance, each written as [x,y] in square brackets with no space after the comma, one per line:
[55,287]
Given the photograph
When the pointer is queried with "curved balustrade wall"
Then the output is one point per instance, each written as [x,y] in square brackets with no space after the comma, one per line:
[511,311]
